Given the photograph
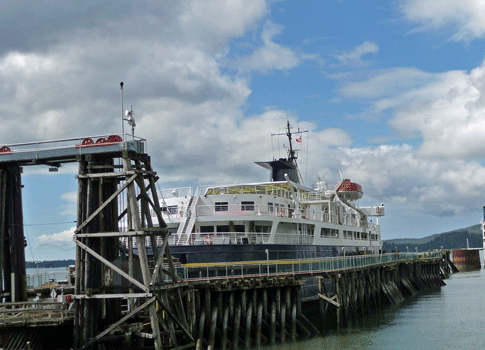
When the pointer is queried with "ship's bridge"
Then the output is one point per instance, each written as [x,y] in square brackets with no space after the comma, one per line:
[279,189]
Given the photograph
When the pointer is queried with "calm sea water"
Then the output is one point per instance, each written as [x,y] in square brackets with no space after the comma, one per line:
[452,317]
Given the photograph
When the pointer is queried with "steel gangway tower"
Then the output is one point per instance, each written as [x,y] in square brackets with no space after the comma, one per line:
[104,231]
[127,294]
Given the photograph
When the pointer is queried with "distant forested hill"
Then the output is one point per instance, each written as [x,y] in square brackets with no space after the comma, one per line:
[448,240]
[52,263]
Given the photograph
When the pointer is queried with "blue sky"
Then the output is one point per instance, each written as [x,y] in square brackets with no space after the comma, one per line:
[392,93]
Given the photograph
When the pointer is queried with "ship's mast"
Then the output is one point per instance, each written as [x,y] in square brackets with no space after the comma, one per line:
[291,152]
[289,165]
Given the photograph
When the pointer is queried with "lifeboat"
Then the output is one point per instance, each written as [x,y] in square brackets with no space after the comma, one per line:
[350,190]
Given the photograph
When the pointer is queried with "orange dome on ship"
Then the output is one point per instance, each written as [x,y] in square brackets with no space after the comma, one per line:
[350,190]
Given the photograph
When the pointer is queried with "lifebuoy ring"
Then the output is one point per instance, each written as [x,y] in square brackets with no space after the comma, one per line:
[208,240]
[282,213]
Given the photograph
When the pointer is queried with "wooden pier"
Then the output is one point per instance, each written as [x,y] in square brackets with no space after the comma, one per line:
[124,300]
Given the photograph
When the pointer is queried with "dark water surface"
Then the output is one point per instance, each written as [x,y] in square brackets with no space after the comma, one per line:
[452,317]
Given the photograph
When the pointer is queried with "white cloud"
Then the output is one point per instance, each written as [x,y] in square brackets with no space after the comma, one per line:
[443,110]
[61,240]
[270,55]
[70,207]
[398,176]
[464,16]
[355,55]
[214,22]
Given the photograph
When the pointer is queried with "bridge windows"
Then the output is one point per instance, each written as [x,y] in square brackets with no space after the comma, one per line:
[329,232]
[222,206]
[247,205]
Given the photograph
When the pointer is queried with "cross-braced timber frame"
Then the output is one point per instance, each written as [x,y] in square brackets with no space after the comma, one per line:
[102,258]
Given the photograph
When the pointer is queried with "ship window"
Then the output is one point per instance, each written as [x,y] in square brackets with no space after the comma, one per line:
[329,232]
[247,205]
[206,229]
[172,209]
[223,228]
[262,229]
[222,206]
[239,228]
[270,207]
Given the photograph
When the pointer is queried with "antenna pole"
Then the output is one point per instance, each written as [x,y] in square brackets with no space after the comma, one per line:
[122,125]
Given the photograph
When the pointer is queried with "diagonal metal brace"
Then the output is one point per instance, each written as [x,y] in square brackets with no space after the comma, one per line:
[114,267]
[114,325]
[169,313]
[102,206]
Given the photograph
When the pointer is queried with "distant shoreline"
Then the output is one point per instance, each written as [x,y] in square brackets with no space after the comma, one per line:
[49,264]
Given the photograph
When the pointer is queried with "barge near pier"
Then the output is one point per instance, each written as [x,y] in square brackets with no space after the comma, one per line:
[127,300]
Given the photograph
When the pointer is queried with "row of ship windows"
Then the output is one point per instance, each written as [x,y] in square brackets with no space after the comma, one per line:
[248,205]
[236,228]
[333,233]
[224,206]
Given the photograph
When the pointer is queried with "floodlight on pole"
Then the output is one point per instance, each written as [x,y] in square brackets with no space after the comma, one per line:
[131,120]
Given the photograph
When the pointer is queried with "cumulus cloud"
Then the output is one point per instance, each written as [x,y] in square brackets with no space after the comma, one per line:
[398,176]
[61,240]
[464,16]
[70,207]
[270,55]
[354,56]
[442,110]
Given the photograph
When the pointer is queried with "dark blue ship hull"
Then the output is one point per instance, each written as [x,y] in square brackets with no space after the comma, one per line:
[214,253]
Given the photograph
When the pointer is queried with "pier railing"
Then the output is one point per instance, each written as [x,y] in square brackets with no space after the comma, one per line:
[34,313]
[281,267]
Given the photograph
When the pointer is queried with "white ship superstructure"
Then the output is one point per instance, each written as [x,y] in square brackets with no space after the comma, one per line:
[278,219]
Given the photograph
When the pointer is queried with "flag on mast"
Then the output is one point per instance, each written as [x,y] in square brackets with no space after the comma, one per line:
[298,139]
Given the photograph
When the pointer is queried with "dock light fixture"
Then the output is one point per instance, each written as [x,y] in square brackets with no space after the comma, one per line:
[131,121]
[267,260]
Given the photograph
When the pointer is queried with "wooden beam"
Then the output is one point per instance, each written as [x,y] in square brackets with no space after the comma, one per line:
[330,300]
[102,206]
[114,325]
[114,267]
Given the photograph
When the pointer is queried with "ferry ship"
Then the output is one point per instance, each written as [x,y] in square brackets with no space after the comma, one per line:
[278,219]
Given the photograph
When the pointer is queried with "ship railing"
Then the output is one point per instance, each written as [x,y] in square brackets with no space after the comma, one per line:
[222,209]
[313,197]
[277,189]
[207,238]
[176,192]
[204,271]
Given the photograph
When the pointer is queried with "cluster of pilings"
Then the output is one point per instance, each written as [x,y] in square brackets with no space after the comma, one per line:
[349,295]
[256,311]
[13,285]
[248,312]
